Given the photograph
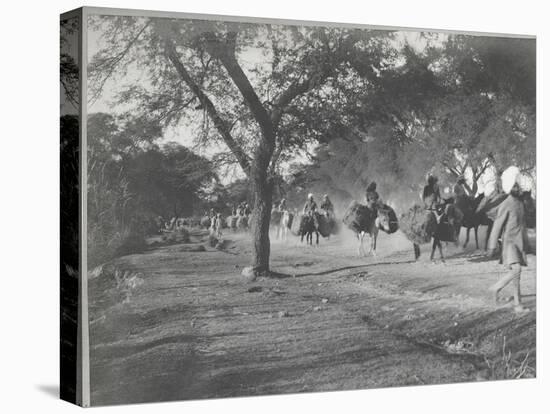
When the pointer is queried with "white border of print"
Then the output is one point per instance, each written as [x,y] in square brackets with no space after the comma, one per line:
[30,180]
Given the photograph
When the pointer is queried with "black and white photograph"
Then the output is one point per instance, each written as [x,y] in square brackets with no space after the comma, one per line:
[278,207]
[274,207]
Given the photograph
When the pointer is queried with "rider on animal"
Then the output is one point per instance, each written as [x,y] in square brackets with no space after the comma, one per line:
[327,206]
[311,206]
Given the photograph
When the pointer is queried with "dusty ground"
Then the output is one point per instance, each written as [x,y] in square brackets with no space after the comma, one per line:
[173,323]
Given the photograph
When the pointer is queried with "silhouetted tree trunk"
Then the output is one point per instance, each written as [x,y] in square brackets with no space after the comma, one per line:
[262,189]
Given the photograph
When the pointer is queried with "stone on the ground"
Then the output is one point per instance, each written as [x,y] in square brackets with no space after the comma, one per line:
[248,274]
[282,314]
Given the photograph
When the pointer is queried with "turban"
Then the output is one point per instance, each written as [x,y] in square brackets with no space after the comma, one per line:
[510,177]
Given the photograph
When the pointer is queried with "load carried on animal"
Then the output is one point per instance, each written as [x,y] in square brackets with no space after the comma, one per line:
[418,224]
[324,224]
[392,216]
[358,216]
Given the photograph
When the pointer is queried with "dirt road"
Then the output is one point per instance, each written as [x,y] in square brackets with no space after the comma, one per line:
[173,323]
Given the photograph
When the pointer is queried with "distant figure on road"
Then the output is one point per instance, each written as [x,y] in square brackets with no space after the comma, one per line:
[510,227]
[282,205]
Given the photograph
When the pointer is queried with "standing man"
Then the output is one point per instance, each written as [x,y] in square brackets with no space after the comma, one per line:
[510,226]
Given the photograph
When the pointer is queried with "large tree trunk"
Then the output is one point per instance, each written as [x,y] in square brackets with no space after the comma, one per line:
[262,189]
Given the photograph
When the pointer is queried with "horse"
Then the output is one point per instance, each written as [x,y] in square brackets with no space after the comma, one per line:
[363,220]
[447,229]
[530,209]
[308,226]
[472,219]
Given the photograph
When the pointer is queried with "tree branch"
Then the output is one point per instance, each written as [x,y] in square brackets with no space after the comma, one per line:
[222,126]
[314,78]
[224,51]
[112,64]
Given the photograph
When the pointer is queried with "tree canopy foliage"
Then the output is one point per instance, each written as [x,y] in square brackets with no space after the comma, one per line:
[366,104]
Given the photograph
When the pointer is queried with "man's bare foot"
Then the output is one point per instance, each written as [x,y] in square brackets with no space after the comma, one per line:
[520,309]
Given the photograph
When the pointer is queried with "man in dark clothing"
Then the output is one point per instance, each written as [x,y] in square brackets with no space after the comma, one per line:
[372,197]
[430,195]
[459,188]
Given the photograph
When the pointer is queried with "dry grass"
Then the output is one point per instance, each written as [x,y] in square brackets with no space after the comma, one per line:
[507,367]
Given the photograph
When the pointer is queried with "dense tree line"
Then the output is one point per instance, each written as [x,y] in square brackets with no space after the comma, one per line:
[133,180]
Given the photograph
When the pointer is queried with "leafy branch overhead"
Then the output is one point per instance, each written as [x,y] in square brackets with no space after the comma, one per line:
[205,68]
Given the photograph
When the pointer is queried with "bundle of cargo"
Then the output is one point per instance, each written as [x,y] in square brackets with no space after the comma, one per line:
[358,216]
[334,225]
[418,225]
[324,225]
[394,224]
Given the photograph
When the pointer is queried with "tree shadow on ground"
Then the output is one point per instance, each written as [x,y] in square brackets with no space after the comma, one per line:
[280,275]
[483,259]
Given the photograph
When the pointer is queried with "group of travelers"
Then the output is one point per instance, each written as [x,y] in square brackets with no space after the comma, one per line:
[242,209]
[310,207]
[509,228]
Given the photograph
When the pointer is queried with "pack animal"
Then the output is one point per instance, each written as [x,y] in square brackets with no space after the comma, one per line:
[364,221]
[308,227]
[421,226]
